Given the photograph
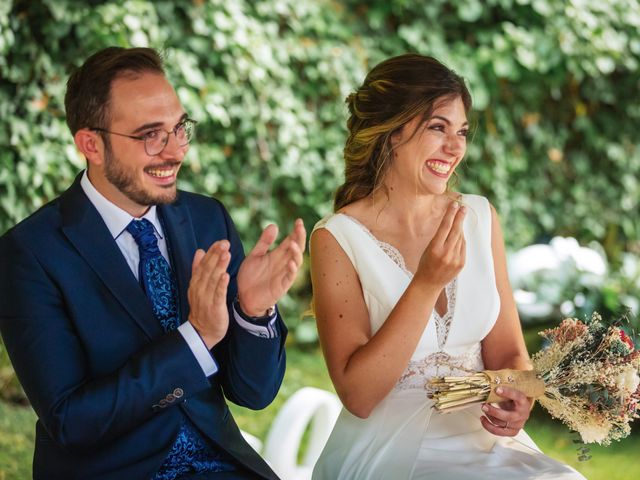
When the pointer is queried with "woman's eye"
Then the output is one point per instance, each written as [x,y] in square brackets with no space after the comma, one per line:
[438,127]
[464,132]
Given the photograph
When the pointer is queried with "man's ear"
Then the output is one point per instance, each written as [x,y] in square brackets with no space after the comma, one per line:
[91,145]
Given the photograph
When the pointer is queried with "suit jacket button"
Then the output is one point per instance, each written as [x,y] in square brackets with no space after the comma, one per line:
[178,392]
[171,398]
[163,403]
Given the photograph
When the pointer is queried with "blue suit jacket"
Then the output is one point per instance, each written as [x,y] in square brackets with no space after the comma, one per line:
[94,361]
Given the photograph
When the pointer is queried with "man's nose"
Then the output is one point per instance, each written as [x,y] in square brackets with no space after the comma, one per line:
[173,149]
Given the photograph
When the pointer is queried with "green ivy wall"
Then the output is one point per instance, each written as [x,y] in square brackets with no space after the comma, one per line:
[556,87]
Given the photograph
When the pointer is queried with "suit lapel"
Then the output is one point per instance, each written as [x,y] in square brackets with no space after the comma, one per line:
[181,240]
[85,229]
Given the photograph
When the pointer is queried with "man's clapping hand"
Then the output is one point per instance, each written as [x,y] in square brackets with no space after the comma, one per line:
[265,276]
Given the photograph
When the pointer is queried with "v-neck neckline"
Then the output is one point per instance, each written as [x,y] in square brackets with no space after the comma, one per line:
[389,250]
[443,322]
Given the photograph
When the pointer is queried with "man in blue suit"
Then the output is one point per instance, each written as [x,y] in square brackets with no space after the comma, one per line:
[128,308]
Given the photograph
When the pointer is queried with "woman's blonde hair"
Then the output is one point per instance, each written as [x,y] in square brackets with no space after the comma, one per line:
[393,93]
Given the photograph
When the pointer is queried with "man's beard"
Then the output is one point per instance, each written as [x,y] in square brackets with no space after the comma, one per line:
[125,181]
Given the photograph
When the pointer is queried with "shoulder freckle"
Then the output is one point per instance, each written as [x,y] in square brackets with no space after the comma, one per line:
[340,315]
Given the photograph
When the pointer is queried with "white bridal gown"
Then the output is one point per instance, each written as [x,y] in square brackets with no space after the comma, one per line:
[404,438]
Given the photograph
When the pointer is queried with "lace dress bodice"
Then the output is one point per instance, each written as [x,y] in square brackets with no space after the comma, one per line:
[424,364]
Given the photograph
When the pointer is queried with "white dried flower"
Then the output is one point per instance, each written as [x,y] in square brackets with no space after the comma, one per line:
[594,432]
[627,381]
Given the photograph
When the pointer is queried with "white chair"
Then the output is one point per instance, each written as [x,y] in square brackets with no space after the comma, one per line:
[252,440]
[308,406]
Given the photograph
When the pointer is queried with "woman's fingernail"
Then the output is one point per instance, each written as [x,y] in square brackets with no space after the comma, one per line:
[485,408]
[499,390]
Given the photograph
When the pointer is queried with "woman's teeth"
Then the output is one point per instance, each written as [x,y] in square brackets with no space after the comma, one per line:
[439,167]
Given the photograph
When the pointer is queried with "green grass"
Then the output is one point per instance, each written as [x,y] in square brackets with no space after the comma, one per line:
[16,441]
[615,462]
[306,368]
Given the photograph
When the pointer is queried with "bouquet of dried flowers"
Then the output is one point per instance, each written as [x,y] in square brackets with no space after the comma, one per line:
[586,376]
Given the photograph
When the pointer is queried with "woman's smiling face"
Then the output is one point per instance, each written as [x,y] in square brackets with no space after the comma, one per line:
[426,152]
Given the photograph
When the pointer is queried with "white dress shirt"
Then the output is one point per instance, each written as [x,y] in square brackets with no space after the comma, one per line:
[116,221]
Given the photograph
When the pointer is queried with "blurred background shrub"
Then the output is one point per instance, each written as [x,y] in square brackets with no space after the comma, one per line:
[563,279]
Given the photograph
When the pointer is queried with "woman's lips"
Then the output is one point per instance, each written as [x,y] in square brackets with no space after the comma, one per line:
[439,168]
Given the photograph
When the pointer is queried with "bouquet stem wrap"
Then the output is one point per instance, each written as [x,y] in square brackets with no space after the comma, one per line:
[526,381]
[453,393]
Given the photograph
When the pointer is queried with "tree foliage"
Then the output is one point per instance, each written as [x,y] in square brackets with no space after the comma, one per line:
[555,87]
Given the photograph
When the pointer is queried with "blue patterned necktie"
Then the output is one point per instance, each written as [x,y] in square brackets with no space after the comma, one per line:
[155,275]
[190,452]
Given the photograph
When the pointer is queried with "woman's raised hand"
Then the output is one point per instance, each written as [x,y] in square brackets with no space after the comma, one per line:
[444,257]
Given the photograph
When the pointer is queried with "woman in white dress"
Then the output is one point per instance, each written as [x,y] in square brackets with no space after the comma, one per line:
[410,282]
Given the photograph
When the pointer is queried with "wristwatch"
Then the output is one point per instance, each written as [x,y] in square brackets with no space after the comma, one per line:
[267,316]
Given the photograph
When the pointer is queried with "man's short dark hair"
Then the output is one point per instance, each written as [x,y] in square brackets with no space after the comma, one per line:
[89,88]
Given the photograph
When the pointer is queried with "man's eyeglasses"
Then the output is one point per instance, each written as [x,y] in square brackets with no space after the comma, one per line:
[156,140]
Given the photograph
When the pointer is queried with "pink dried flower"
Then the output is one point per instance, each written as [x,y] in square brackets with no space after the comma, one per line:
[626,339]
[568,330]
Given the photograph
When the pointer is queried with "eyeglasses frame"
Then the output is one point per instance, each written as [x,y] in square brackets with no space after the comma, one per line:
[143,139]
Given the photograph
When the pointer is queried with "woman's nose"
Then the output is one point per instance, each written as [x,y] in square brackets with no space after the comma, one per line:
[455,144]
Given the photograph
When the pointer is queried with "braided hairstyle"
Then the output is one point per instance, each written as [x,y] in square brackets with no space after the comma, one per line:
[393,93]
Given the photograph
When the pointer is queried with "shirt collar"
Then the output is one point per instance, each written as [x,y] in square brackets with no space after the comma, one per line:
[114,217]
